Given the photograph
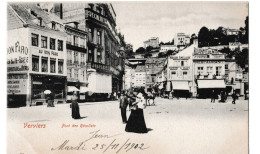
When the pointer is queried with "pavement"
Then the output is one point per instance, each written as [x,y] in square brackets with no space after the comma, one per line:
[192,126]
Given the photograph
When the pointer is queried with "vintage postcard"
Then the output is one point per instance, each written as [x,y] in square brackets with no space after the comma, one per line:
[127,77]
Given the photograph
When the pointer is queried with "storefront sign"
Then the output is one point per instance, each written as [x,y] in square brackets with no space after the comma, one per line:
[46,52]
[17,48]
[17,58]
[17,84]
[180,57]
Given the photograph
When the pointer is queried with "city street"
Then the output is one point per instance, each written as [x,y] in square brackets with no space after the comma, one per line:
[175,126]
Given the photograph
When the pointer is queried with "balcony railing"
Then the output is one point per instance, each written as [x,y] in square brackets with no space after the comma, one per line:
[91,14]
[100,67]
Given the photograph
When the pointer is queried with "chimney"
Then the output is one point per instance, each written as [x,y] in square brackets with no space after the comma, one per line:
[61,11]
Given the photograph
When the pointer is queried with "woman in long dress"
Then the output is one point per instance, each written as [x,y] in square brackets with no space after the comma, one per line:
[136,122]
[75,106]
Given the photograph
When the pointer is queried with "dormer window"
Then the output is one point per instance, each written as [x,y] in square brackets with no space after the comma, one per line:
[76,25]
[53,25]
[39,22]
[91,6]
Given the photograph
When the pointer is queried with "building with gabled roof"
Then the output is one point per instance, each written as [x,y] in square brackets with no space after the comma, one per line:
[36,55]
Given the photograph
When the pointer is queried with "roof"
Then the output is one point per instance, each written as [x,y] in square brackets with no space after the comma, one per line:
[187,51]
[28,12]
[140,68]
[155,60]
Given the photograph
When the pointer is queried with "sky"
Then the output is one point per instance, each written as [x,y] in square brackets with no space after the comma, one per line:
[139,21]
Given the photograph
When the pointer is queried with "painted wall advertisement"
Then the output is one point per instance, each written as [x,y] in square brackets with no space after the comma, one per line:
[17,84]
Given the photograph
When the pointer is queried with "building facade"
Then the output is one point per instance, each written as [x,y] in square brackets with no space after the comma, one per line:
[180,72]
[152,66]
[181,39]
[140,77]
[36,55]
[103,45]
[153,42]
[209,71]
[76,46]
[165,48]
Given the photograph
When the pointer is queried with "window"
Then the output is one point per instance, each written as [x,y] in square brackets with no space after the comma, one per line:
[99,37]
[218,70]
[209,69]
[44,64]
[53,25]
[69,73]
[226,66]
[60,66]
[76,73]
[69,40]
[53,65]
[43,41]
[35,63]
[83,76]
[90,56]
[52,43]
[91,34]
[185,73]
[60,45]
[39,22]
[76,58]
[35,38]
[173,73]
[82,58]
[76,41]
[200,70]
[182,63]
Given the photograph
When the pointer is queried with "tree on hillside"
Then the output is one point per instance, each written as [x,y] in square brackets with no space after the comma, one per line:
[140,50]
[148,49]
[242,58]
[203,37]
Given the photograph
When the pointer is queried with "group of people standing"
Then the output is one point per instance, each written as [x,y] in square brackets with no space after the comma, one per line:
[223,96]
[136,103]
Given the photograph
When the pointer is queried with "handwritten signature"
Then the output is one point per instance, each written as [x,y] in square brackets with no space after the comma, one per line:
[111,145]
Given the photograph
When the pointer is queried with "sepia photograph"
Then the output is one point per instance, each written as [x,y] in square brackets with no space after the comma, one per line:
[135,77]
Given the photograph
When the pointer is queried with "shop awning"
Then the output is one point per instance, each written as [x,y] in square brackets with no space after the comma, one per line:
[203,84]
[180,85]
[84,89]
[72,88]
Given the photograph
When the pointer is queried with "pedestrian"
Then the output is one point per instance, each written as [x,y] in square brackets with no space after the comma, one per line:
[213,96]
[136,122]
[50,100]
[115,97]
[75,106]
[123,105]
[234,97]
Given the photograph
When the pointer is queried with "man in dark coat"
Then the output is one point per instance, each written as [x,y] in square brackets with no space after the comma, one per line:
[234,97]
[213,97]
[123,106]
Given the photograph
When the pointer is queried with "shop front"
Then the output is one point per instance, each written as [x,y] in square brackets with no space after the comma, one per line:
[40,83]
[205,87]
[181,89]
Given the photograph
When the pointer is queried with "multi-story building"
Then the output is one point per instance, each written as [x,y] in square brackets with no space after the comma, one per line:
[152,66]
[76,46]
[153,42]
[104,61]
[180,72]
[129,76]
[36,55]
[165,48]
[209,71]
[181,39]
[237,45]
[140,76]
